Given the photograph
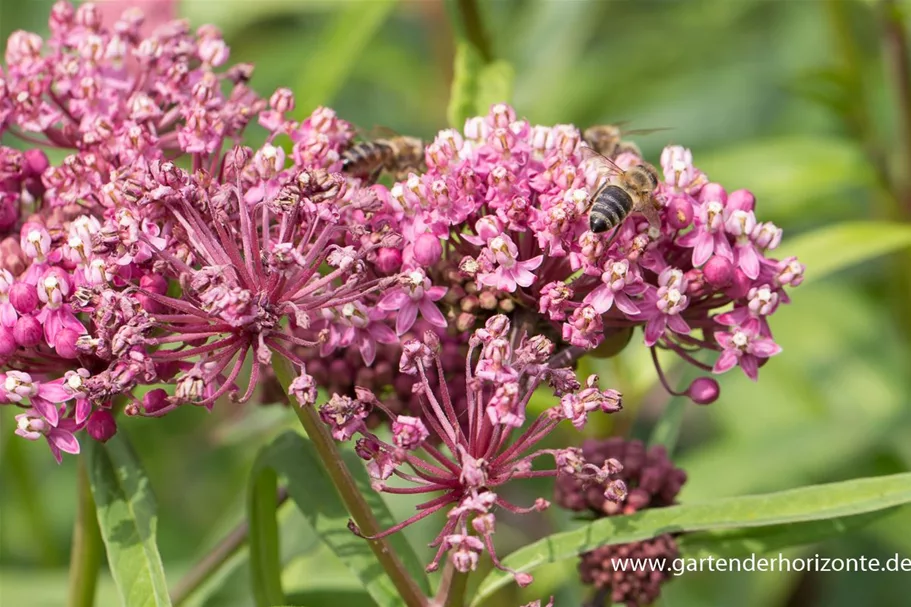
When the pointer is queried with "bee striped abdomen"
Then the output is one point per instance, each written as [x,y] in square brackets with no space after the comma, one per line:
[365,158]
[611,206]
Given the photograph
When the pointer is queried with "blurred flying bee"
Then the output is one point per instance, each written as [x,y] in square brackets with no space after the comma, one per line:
[620,193]
[608,139]
[396,154]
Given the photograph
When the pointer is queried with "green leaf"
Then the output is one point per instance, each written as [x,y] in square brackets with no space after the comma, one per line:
[796,172]
[798,505]
[763,540]
[328,60]
[293,457]
[126,516]
[667,430]
[465,85]
[833,248]
[494,86]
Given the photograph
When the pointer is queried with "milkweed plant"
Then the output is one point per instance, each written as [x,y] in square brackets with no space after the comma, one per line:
[159,263]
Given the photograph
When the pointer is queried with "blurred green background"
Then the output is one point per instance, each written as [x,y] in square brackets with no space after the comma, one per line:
[790,99]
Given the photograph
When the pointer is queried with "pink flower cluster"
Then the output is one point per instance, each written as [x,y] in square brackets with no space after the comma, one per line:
[506,203]
[159,251]
[503,367]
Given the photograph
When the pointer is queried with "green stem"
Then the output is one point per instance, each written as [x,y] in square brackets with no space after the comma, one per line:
[85,555]
[897,56]
[215,559]
[468,24]
[347,489]
[453,585]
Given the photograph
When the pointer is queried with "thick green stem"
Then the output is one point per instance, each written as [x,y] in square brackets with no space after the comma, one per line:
[347,489]
[85,554]
[215,559]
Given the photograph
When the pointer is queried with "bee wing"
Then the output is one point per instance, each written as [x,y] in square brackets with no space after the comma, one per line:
[647,131]
[383,132]
[649,208]
[603,162]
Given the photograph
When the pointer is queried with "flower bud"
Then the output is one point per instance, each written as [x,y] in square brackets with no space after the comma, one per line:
[713,192]
[9,212]
[101,425]
[155,400]
[427,250]
[65,344]
[24,297]
[388,260]
[718,272]
[35,162]
[703,391]
[740,285]
[741,200]
[27,332]
[282,100]
[679,213]
[154,283]
[8,345]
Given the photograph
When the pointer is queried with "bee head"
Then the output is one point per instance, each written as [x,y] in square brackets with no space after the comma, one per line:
[644,177]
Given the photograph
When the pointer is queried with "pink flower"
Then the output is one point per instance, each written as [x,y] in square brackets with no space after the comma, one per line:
[32,425]
[663,306]
[509,271]
[481,455]
[414,294]
[43,396]
[743,347]
[619,281]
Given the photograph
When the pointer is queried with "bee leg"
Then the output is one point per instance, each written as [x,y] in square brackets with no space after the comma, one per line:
[614,235]
[375,175]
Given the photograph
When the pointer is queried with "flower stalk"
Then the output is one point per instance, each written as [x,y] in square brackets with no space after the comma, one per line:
[344,483]
[85,556]
[216,558]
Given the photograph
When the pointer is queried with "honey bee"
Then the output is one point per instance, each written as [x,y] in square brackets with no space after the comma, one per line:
[621,193]
[607,139]
[396,154]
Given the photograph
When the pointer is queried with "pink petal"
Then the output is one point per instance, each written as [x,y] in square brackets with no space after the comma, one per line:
[46,410]
[703,250]
[54,392]
[725,362]
[407,315]
[654,329]
[723,247]
[432,314]
[63,440]
[8,315]
[52,326]
[532,264]
[83,409]
[764,348]
[393,300]
[435,293]
[748,261]
[625,304]
[601,299]
[367,348]
[524,278]
[750,366]
[382,333]
[677,324]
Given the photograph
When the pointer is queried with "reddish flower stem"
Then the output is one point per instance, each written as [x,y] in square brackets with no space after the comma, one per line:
[347,489]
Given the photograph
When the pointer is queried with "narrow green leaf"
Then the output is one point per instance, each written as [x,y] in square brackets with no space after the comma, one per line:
[328,60]
[126,516]
[833,248]
[494,86]
[293,457]
[667,430]
[465,82]
[813,503]
[265,565]
[763,540]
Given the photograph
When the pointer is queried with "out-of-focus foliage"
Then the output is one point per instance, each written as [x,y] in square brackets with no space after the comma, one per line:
[755,89]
